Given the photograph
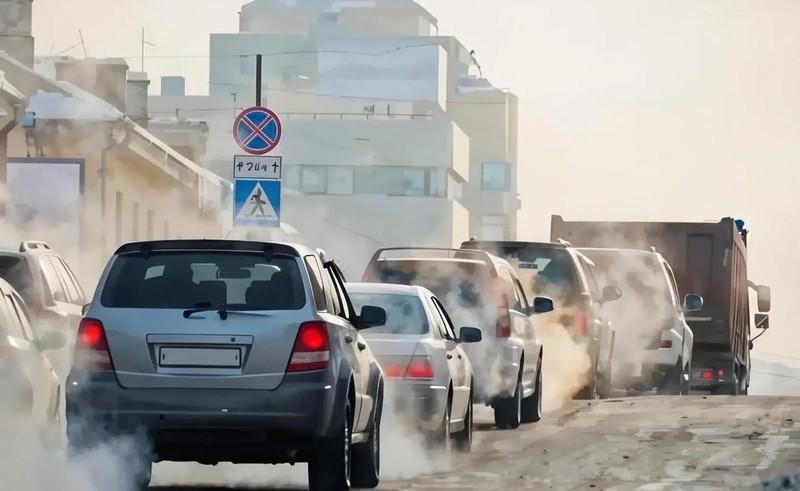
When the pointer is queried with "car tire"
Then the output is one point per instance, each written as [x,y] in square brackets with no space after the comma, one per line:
[532,406]
[143,475]
[673,382]
[686,380]
[366,469]
[463,439]
[329,469]
[508,411]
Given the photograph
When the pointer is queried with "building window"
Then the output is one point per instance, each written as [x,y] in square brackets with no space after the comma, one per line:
[392,181]
[312,180]
[292,176]
[118,218]
[340,180]
[437,183]
[496,176]
[493,227]
[135,221]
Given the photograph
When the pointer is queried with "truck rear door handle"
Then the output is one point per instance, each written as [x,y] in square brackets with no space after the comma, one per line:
[362,346]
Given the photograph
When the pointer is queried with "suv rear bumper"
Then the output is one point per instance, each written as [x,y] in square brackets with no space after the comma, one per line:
[419,403]
[281,425]
[495,369]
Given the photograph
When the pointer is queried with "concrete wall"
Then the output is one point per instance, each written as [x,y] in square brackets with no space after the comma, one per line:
[15,29]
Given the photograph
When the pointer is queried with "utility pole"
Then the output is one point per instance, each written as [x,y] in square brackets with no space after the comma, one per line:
[258,80]
[144,43]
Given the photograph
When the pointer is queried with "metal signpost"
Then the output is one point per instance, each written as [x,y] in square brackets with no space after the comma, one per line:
[257,177]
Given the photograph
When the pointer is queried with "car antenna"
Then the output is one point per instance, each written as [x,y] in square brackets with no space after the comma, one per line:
[268,251]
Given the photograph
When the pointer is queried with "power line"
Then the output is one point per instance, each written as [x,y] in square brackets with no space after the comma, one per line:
[291,53]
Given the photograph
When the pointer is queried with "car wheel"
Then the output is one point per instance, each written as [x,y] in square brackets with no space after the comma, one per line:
[441,438]
[143,475]
[329,469]
[508,411]
[367,457]
[463,439]
[532,406]
[673,383]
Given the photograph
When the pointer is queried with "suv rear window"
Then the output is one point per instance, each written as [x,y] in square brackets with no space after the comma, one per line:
[545,271]
[183,280]
[16,272]
[463,281]
[404,313]
[641,278]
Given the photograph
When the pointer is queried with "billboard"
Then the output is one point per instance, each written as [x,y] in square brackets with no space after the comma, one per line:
[44,201]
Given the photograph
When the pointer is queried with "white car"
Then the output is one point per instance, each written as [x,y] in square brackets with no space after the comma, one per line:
[29,386]
[654,343]
[428,374]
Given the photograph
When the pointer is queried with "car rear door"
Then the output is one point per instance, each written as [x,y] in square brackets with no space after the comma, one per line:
[603,329]
[34,375]
[457,360]
[356,348]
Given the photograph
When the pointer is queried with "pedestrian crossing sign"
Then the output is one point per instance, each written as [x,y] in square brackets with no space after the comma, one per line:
[257,203]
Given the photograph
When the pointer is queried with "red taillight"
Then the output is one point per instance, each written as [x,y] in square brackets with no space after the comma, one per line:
[503,327]
[420,367]
[91,350]
[721,373]
[311,348]
[708,374]
[665,343]
[582,324]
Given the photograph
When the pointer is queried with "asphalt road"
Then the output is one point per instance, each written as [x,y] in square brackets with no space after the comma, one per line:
[647,443]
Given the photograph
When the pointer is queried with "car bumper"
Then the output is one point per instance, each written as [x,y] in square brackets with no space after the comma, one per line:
[281,425]
[648,367]
[418,403]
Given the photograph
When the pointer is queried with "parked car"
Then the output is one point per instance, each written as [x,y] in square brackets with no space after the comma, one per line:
[561,272]
[222,350]
[654,341]
[28,384]
[50,289]
[429,375]
[480,290]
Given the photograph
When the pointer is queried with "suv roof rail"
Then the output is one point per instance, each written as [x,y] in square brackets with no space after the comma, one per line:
[450,253]
[653,249]
[563,242]
[29,245]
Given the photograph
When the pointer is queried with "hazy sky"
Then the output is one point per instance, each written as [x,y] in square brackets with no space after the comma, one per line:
[630,109]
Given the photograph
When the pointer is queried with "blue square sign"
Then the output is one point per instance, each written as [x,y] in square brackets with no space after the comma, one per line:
[257,203]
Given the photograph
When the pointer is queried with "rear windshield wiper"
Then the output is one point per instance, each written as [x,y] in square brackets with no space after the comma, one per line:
[222,311]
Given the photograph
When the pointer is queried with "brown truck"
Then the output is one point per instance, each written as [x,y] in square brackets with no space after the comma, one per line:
[709,259]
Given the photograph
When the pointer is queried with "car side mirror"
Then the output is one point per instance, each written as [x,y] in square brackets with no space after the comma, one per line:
[371,316]
[764,298]
[541,305]
[692,303]
[85,309]
[762,321]
[50,340]
[611,293]
[470,335]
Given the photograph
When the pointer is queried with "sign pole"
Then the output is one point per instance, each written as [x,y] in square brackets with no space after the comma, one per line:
[258,80]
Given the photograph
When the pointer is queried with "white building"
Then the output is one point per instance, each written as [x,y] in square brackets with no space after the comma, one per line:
[387,136]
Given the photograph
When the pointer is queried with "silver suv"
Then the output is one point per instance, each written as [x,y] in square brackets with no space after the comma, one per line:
[480,290]
[220,350]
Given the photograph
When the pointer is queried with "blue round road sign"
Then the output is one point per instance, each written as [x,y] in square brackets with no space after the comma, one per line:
[257,130]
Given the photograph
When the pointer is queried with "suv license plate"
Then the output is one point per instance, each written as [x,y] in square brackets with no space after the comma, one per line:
[200,357]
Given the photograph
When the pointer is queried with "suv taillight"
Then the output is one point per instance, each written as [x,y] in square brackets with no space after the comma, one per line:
[503,319]
[91,347]
[582,324]
[311,348]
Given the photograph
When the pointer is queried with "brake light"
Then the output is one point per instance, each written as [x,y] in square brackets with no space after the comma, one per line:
[665,343]
[91,349]
[394,370]
[311,348]
[420,367]
[503,327]
[721,373]
[582,324]
[708,374]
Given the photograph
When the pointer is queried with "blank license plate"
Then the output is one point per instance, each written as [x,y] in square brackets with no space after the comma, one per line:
[200,357]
